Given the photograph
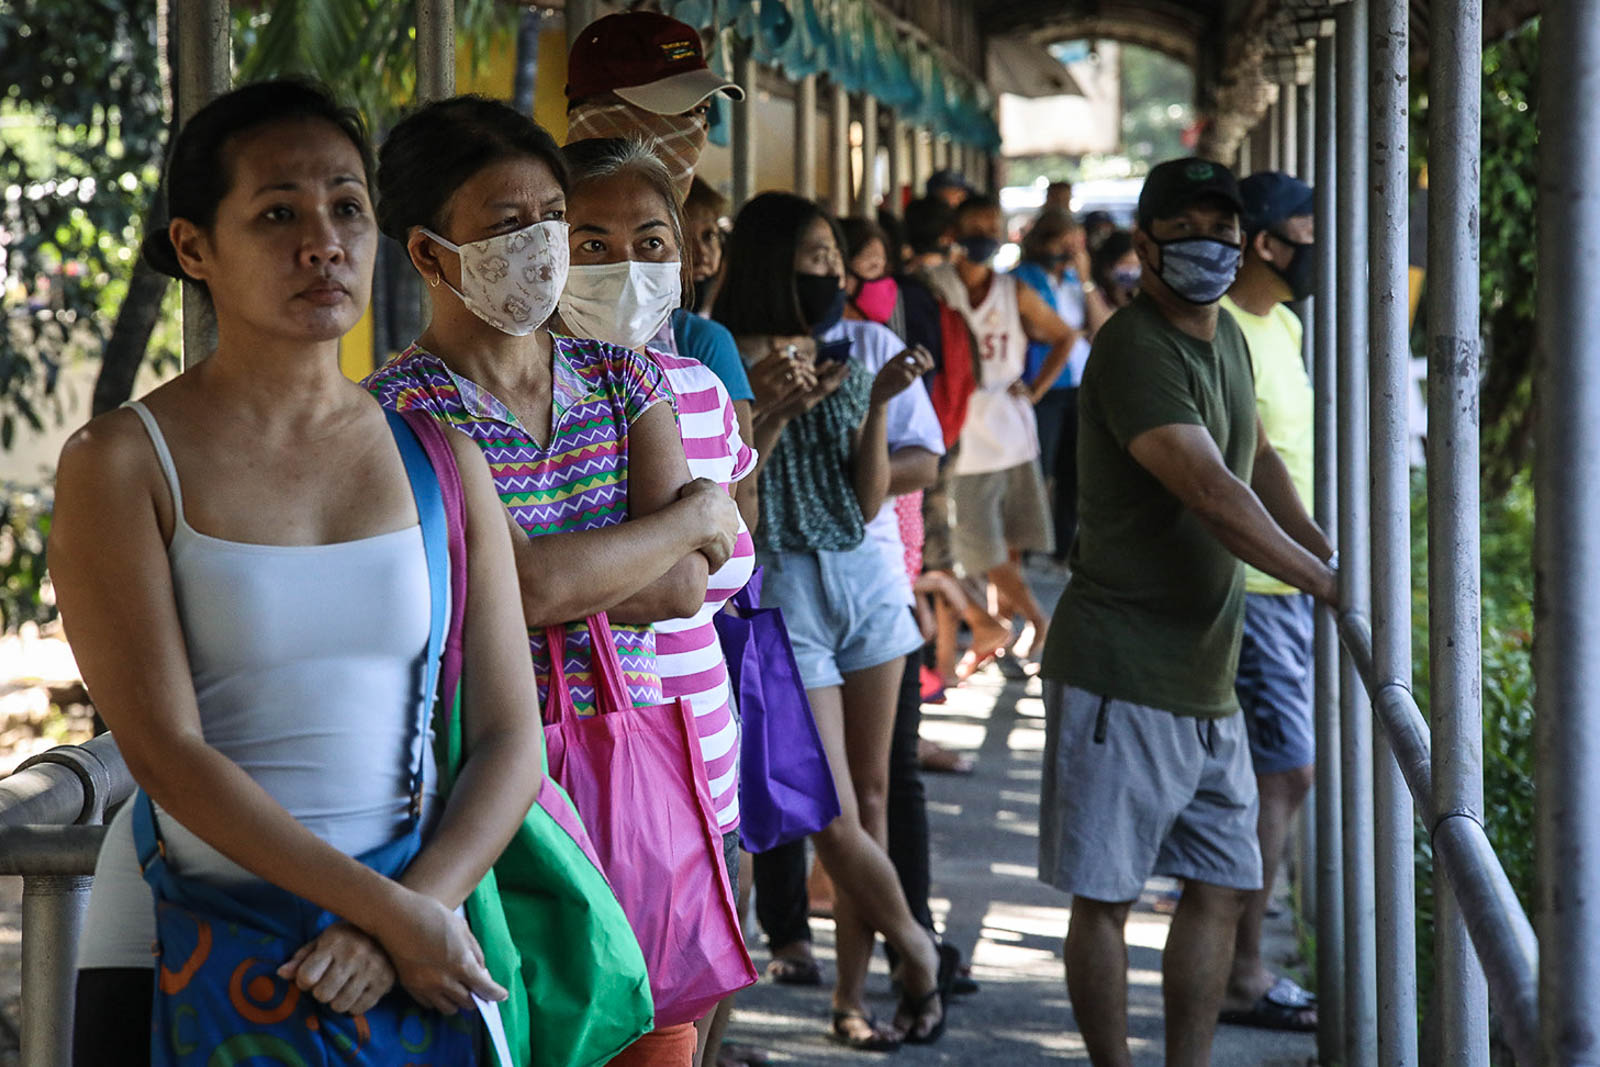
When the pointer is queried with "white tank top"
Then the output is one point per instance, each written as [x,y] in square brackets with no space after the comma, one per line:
[305,662]
[1000,430]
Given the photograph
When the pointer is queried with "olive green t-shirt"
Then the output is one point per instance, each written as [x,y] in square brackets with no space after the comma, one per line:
[1152,614]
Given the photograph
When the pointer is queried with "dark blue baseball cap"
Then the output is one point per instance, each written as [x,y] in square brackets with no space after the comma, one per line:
[1271,197]
[948,179]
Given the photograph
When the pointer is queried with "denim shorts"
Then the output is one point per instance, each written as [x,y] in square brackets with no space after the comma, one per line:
[845,610]
[1275,681]
[1129,791]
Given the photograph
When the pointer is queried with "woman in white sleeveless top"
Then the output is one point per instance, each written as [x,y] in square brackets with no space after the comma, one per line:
[241,573]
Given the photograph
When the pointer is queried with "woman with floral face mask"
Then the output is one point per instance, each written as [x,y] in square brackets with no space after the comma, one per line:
[477,193]
[627,277]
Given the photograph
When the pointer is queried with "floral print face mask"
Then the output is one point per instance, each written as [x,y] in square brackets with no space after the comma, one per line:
[513,281]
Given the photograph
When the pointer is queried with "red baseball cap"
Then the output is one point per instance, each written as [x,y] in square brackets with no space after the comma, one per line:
[651,61]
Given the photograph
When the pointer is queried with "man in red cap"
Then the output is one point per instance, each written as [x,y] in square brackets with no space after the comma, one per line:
[640,73]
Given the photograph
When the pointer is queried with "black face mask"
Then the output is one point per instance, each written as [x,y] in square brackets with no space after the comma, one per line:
[821,299]
[1300,274]
[702,292]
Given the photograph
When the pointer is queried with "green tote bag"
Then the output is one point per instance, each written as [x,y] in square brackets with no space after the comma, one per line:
[550,927]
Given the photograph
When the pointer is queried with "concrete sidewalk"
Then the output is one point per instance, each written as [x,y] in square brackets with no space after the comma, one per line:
[987,895]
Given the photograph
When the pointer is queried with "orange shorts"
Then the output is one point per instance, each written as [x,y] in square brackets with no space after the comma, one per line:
[671,1046]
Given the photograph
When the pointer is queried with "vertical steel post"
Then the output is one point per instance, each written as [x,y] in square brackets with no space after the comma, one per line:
[1288,129]
[1567,554]
[52,918]
[578,14]
[805,137]
[867,193]
[1274,130]
[1245,166]
[897,165]
[839,142]
[1330,838]
[205,71]
[920,160]
[1307,125]
[1361,972]
[744,125]
[436,49]
[1388,212]
[1461,999]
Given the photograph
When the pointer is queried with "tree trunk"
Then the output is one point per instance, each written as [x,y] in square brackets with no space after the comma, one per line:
[130,337]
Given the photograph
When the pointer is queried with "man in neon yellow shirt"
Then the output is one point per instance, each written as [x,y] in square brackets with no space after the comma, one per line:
[1274,683]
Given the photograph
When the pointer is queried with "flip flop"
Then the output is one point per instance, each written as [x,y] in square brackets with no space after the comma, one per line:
[1283,1007]
[734,1054]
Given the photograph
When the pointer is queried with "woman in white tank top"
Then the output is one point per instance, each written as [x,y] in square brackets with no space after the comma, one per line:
[241,574]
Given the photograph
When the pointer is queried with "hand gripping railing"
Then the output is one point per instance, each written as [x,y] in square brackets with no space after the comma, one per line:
[50,815]
[1501,933]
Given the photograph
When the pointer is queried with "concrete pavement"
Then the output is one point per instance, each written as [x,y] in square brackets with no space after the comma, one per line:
[987,895]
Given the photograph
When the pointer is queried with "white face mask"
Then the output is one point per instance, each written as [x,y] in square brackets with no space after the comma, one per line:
[622,303]
[512,281]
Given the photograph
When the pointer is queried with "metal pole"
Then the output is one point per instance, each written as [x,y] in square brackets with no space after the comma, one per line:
[1246,165]
[920,160]
[1567,553]
[805,137]
[1387,235]
[1274,131]
[744,126]
[52,917]
[1330,839]
[205,71]
[578,14]
[897,165]
[1306,122]
[1288,132]
[839,140]
[1461,998]
[1361,975]
[867,194]
[436,49]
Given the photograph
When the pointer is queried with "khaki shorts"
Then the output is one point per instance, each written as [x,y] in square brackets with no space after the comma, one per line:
[1129,791]
[996,513]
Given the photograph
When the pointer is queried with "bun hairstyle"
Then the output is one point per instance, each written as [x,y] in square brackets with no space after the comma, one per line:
[597,158]
[438,148]
[198,175]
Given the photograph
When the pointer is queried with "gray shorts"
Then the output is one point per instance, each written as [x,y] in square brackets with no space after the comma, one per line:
[1129,791]
[996,512]
[1275,681]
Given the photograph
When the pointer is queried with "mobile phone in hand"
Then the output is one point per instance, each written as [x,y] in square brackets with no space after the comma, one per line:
[834,352]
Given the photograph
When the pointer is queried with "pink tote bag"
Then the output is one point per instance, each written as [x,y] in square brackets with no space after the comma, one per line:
[637,777]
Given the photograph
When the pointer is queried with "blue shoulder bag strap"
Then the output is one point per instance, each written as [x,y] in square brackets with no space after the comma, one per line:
[435,544]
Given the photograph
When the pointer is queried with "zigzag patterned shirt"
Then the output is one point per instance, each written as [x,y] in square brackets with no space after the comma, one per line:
[578,482]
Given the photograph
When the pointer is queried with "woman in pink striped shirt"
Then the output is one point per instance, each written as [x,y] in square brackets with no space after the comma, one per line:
[627,275]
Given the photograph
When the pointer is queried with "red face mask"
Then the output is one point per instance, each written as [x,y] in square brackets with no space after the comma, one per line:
[876,299]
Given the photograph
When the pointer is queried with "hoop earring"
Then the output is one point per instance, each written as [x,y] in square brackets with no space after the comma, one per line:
[433,283]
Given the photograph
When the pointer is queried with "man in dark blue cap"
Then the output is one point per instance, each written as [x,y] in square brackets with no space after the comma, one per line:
[1274,679]
[1146,765]
[949,186]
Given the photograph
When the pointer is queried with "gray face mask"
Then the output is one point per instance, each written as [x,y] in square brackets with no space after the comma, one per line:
[1198,269]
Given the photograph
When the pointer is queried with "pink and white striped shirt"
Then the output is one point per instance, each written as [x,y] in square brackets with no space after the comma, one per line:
[688,652]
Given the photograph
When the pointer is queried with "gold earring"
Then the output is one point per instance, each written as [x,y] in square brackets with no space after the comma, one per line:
[433,283]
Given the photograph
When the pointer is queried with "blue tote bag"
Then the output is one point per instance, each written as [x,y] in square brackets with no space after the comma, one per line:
[785,786]
[218,997]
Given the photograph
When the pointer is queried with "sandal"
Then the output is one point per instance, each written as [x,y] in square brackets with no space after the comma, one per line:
[734,1054]
[917,1007]
[936,759]
[794,970]
[1283,1007]
[875,1040]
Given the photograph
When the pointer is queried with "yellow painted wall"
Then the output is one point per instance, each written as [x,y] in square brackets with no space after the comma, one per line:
[356,358]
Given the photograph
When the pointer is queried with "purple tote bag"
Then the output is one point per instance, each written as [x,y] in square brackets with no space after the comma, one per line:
[785,786]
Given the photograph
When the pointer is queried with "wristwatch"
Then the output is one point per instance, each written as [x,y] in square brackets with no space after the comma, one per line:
[1089,287]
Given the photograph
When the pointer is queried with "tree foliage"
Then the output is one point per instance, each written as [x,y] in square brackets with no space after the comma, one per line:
[81,118]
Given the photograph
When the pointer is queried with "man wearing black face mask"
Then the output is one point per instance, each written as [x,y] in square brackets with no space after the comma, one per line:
[1274,680]
[1147,767]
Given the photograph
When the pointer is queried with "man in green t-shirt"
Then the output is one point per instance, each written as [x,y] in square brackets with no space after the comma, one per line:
[1146,766]
[1274,677]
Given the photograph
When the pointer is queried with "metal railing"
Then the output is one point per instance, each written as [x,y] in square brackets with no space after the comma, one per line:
[51,815]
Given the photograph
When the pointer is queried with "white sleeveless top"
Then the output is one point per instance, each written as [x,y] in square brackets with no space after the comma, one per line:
[1000,430]
[305,662]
